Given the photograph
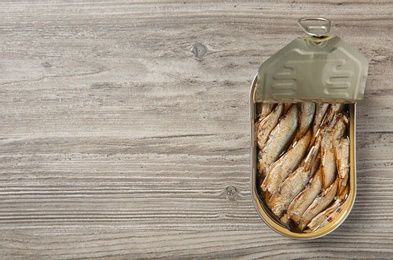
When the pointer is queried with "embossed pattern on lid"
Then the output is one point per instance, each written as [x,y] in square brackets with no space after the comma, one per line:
[329,71]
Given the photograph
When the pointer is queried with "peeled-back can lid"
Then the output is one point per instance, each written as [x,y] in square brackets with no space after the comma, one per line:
[314,68]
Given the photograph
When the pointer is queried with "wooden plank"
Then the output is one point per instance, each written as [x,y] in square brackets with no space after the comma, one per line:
[125,129]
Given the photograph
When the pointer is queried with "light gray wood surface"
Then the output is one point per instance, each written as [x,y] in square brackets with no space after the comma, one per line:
[125,129]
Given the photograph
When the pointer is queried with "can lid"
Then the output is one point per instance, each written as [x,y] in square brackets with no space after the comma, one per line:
[315,68]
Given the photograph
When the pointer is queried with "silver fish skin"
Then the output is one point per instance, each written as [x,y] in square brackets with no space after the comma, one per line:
[304,199]
[322,217]
[266,108]
[331,137]
[342,162]
[328,164]
[279,139]
[343,190]
[265,125]
[306,116]
[319,204]
[320,113]
[340,125]
[335,214]
[293,184]
[285,165]
[333,111]
[342,157]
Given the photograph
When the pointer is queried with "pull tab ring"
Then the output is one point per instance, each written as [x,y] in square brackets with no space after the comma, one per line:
[325,27]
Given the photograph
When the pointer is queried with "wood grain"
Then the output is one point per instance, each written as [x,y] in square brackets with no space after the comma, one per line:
[125,129]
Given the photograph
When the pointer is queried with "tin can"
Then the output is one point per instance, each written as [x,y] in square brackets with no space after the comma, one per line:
[317,70]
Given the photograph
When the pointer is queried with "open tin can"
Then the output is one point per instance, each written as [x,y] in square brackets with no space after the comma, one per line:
[303,130]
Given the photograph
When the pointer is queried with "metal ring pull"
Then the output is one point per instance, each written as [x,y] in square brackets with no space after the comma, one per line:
[310,29]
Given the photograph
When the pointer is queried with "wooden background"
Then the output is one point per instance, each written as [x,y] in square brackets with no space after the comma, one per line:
[124,129]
